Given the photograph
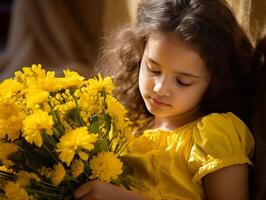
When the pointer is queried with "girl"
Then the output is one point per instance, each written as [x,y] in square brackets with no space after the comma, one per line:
[183,70]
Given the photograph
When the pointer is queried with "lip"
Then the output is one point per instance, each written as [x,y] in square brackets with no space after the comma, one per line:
[157,102]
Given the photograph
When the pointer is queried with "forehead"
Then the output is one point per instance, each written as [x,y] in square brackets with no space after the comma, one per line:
[173,53]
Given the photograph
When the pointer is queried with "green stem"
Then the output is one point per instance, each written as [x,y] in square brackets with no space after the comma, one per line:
[49,152]
[44,194]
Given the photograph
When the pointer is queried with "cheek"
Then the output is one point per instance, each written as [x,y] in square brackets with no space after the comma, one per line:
[141,83]
[190,98]
[197,95]
[145,82]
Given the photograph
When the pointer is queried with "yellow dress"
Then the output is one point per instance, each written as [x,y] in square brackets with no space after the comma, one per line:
[171,164]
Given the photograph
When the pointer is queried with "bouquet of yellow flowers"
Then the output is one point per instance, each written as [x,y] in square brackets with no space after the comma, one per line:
[57,133]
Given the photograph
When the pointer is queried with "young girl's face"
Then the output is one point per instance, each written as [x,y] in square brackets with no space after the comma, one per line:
[173,77]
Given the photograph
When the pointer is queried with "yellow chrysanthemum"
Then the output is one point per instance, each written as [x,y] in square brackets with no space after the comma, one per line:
[37,77]
[105,166]
[11,127]
[24,178]
[101,84]
[10,86]
[58,174]
[30,76]
[14,192]
[77,168]
[10,118]
[7,149]
[8,107]
[90,103]
[117,112]
[34,70]
[91,100]
[36,96]
[51,83]
[71,79]
[5,169]
[72,141]
[85,116]
[83,156]
[34,124]
[65,108]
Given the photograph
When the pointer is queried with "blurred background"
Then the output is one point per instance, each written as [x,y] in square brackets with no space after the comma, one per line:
[5,9]
[58,34]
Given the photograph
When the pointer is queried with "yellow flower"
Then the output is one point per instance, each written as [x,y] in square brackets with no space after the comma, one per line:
[101,84]
[24,178]
[36,96]
[90,98]
[74,140]
[35,70]
[77,168]
[34,124]
[117,112]
[105,166]
[58,174]
[14,192]
[36,77]
[90,102]
[11,127]
[10,86]
[84,156]
[49,82]
[7,149]
[10,118]
[71,79]
[5,169]
[63,103]
[8,107]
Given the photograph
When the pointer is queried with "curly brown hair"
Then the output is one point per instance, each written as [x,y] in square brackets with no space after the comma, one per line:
[209,27]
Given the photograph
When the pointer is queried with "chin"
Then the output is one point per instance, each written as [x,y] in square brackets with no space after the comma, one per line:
[157,112]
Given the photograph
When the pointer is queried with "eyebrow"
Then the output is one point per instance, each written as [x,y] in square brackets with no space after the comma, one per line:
[180,73]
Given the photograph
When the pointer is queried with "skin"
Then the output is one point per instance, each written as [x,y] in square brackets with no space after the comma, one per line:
[96,190]
[175,75]
[230,183]
[172,74]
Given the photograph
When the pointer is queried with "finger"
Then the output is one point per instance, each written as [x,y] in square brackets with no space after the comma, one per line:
[88,196]
[83,190]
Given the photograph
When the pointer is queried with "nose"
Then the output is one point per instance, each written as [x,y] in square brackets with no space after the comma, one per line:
[161,87]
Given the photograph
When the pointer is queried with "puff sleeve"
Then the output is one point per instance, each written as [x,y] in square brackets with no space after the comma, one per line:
[219,140]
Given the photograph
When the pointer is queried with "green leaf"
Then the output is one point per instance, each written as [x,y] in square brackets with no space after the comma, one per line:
[108,122]
[94,124]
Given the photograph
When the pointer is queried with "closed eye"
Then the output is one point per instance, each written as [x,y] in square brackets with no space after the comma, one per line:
[149,68]
[183,84]
[153,71]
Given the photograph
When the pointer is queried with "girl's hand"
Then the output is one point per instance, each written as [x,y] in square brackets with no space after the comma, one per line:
[96,190]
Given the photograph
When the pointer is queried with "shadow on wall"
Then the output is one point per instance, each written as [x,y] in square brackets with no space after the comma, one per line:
[251,14]
[258,19]
[115,14]
[59,34]
[258,175]
[5,7]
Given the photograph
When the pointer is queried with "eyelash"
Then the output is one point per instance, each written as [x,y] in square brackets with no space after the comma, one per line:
[183,84]
[150,70]
[154,72]
[177,81]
